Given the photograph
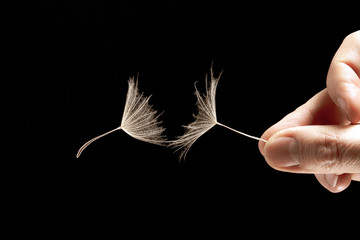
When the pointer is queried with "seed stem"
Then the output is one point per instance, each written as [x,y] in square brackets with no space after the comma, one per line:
[244,134]
[94,139]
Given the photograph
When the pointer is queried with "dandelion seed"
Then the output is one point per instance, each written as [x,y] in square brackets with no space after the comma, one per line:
[139,119]
[205,118]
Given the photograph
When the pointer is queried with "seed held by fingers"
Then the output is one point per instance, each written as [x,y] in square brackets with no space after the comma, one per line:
[205,118]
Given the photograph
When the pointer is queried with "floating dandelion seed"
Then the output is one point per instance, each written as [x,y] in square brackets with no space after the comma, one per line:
[205,119]
[139,120]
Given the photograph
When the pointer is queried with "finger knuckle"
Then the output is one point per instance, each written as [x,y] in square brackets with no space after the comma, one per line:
[328,153]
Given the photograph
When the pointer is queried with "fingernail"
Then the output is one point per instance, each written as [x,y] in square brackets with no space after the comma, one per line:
[283,152]
[331,179]
[342,104]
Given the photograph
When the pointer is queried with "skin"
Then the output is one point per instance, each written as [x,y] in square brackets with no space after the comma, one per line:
[322,136]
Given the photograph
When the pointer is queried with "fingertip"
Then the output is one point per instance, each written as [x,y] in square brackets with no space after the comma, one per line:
[343,182]
[347,99]
[281,152]
[333,182]
[353,105]
[261,146]
[267,135]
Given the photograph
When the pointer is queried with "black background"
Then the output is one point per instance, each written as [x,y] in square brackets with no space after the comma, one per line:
[67,66]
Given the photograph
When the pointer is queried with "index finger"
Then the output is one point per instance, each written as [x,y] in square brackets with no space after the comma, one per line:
[343,80]
[319,110]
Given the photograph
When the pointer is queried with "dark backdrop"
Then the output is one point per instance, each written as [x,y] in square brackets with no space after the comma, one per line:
[67,66]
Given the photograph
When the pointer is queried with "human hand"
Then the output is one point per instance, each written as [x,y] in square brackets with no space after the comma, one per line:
[323,135]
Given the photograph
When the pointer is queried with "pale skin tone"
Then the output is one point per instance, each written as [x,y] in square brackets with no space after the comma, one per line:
[322,137]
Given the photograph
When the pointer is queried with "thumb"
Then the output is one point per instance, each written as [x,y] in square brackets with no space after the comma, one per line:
[330,149]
